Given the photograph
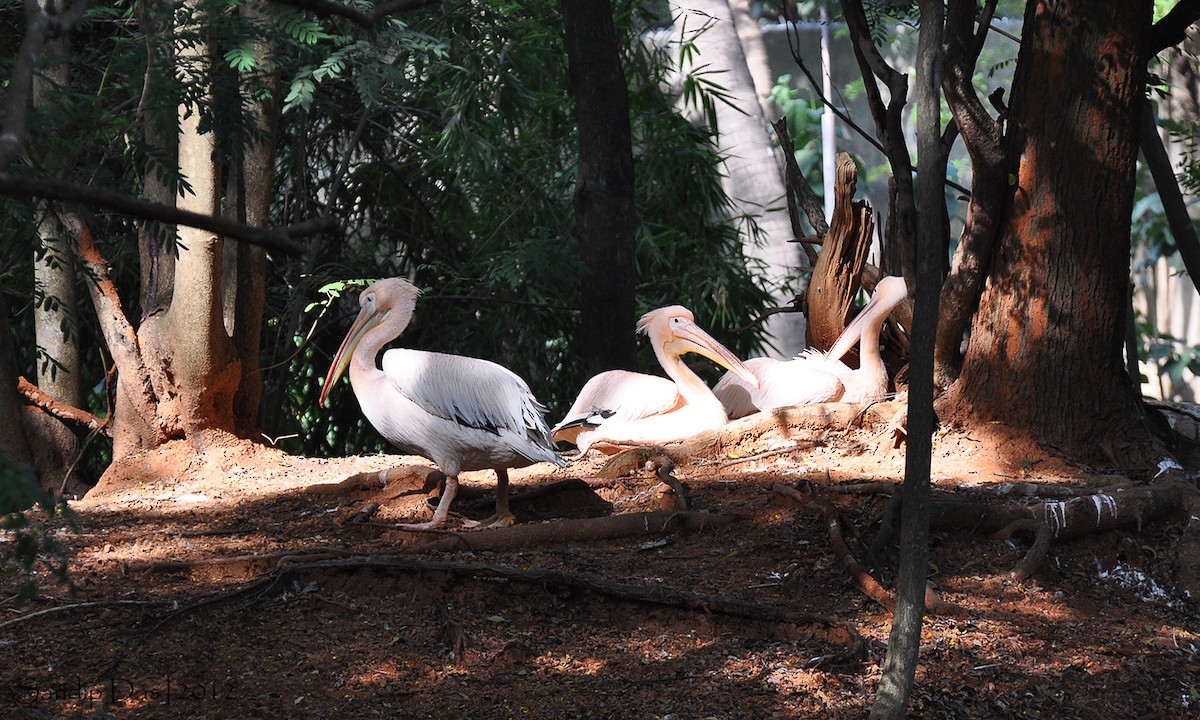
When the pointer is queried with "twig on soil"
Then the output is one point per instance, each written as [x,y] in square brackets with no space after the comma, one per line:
[767,454]
[269,560]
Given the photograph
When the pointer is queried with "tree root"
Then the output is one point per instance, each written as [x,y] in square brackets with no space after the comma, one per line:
[577,530]
[863,579]
[825,628]
[418,477]
[1043,536]
[287,564]
[1083,512]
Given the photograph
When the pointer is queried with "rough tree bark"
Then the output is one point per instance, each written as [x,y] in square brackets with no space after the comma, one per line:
[837,275]
[1045,351]
[981,135]
[605,212]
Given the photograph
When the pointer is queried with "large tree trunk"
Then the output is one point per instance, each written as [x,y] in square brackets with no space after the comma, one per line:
[753,178]
[193,341]
[1045,353]
[178,372]
[604,205]
[156,249]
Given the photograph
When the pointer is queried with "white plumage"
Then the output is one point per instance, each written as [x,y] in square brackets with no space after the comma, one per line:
[620,408]
[462,413]
[813,377]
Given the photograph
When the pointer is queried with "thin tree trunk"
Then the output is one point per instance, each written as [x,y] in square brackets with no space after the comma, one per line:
[13,445]
[982,135]
[900,666]
[55,317]
[887,117]
[257,179]
[605,212]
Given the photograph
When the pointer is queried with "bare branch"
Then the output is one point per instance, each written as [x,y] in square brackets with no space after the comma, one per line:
[841,115]
[60,410]
[888,124]
[1172,28]
[280,239]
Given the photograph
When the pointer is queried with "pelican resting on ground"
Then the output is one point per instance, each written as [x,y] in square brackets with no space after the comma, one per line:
[813,377]
[462,413]
[619,408]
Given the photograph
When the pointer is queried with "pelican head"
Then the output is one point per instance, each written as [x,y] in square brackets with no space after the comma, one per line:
[889,292]
[673,331]
[393,301]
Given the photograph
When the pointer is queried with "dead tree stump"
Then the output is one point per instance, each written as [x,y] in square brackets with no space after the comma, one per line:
[837,274]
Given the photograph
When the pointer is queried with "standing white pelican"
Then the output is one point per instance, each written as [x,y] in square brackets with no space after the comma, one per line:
[813,377]
[462,413]
[618,407]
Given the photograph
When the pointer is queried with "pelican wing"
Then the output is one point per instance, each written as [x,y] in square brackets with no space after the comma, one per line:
[618,394]
[802,381]
[471,392]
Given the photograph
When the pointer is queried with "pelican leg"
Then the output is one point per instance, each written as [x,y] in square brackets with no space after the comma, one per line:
[503,516]
[442,511]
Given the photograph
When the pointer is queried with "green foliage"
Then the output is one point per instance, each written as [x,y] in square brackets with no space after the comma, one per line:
[27,548]
[442,140]
[293,23]
[241,58]
[803,113]
[1187,136]
[468,153]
